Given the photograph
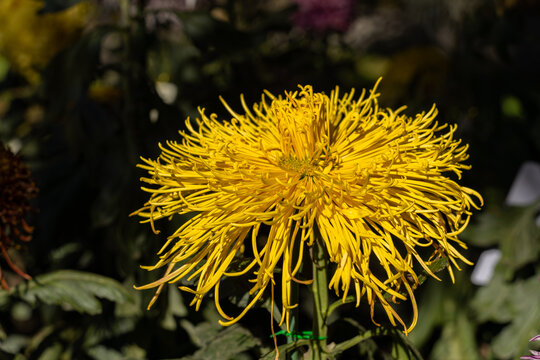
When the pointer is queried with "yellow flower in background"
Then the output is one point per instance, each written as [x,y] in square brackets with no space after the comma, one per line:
[369,182]
[30,40]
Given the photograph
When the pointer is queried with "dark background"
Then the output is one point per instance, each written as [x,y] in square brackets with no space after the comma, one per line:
[99,104]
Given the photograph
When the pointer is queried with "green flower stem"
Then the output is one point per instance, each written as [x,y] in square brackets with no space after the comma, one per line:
[338,303]
[293,322]
[319,289]
[351,342]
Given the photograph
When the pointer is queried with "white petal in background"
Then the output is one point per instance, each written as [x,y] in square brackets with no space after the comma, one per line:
[526,187]
[167,91]
[485,266]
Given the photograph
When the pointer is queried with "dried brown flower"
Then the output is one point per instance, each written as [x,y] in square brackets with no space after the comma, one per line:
[16,191]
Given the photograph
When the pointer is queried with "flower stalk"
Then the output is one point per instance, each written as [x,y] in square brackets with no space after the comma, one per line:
[320,301]
[293,323]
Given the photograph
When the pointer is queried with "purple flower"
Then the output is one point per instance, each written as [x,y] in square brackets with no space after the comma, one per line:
[535,354]
[323,15]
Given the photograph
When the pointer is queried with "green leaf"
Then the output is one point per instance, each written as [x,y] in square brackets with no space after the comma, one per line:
[339,348]
[403,348]
[227,344]
[64,252]
[513,340]
[513,229]
[202,333]
[97,334]
[493,302]
[39,338]
[175,307]
[516,303]
[73,290]
[13,343]
[430,311]
[101,352]
[132,308]
[52,353]
[134,352]
[457,340]
[437,266]
[401,352]
[176,302]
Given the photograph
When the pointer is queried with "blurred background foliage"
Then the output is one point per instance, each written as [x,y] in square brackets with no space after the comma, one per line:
[86,87]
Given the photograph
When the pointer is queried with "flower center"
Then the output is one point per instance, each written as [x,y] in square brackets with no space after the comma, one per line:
[293,164]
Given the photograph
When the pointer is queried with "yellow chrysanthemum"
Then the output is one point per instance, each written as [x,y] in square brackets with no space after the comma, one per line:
[368,181]
[29,40]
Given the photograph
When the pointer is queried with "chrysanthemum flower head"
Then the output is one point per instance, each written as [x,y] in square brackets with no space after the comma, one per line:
[372,184]
[16,191]
[535,355]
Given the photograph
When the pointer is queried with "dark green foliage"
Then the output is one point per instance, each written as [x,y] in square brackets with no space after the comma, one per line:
[513,230]
[73,290]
